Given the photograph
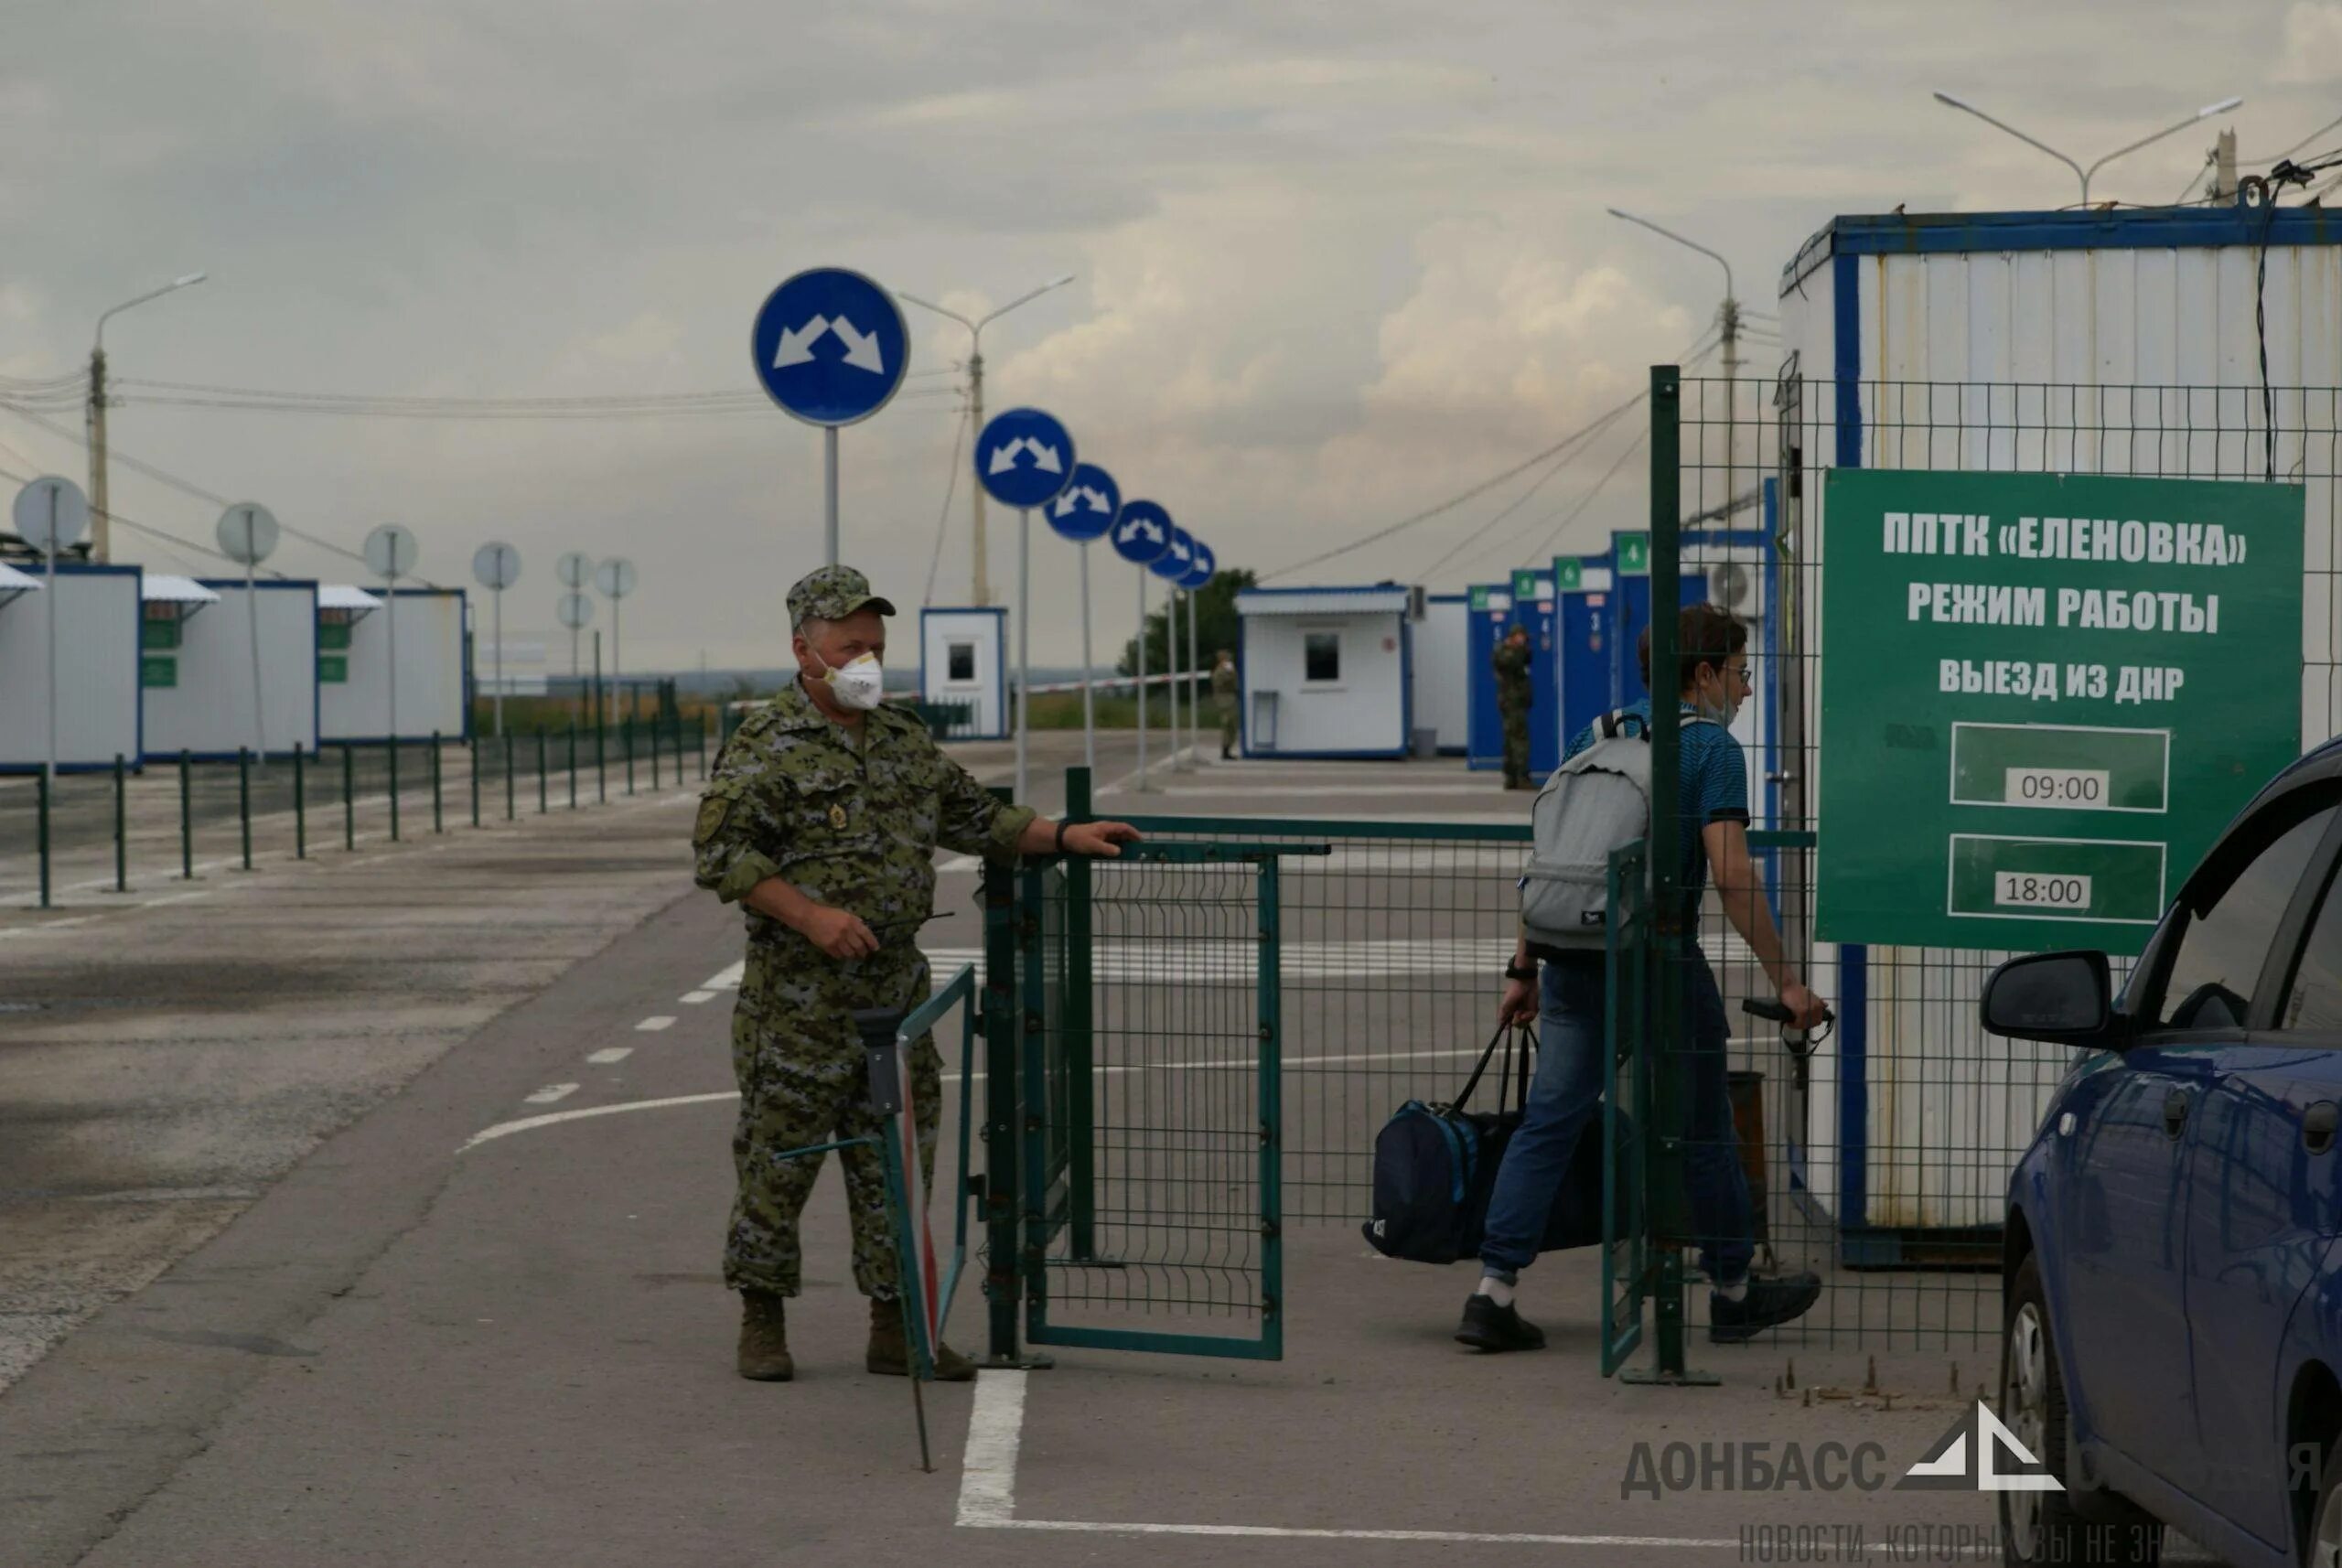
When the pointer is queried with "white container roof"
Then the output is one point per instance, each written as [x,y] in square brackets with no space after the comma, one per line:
[1321,601]
[342,596]
[162,588]
[15,582]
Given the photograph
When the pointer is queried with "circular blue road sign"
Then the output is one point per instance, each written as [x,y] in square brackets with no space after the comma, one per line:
[830,346]
[1177,559]
[1023,457]
[1085,509]
[1206,567]
[1143,532]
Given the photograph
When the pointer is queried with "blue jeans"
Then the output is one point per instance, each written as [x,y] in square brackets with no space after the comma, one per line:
[1566,1092]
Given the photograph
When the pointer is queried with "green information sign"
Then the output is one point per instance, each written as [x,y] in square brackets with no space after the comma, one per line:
[1480,600]
[1569,574]
[1634,555]
[158,671]
[2043,695]
[333,669]
[333,636]
[158,636]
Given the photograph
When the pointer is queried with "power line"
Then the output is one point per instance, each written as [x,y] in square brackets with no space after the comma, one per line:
[950,484]
[1522,500]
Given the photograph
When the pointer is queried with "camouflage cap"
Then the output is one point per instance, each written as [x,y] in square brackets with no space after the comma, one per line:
[833,593]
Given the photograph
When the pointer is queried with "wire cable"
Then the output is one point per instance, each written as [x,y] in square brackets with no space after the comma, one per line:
[951,487]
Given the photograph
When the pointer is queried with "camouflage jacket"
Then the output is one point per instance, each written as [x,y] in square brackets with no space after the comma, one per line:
[1223,680]
[1513,689]
[854,825]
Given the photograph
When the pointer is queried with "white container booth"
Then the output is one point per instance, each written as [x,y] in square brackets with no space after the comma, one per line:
[354,674]
[1442,686]
[964,664]
[98,615]
[1328,673]
[2116,342]
[200,677]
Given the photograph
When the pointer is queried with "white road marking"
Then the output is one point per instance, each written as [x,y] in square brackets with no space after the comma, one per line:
[694,998]
[550,1093]
[530,1124]
[725,979]
[1460,1537]
[172,898]
[48,926]
[988,1466]
[958,863]
[609,1054]
[655,1023]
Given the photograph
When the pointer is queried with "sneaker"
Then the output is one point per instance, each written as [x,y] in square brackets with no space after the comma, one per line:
[1769,1304]
[1487,1326]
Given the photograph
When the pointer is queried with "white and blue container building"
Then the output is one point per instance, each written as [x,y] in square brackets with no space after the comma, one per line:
[98,613]
[434,677]
[963,660]
[1326,672]
[198,668]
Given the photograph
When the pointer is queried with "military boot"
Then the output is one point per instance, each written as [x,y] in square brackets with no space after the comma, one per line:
[764,1338]
[890,1348]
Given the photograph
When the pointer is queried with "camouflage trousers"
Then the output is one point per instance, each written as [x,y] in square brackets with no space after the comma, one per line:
[1516,748]
[803,1080]
[1224,710]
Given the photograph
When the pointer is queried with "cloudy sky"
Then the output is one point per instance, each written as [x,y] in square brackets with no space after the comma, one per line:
[1335,263]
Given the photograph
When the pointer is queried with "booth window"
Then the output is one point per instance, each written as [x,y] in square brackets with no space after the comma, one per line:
[959,661]
[1321,657]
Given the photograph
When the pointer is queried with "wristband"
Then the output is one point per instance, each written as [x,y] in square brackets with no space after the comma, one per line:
[1061,827]
[1513,972]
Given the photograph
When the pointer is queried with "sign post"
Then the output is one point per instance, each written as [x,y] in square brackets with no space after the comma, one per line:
[496,566]
[575,571]
[1085,510]
[1200,570]
[1142,533]
[830,347]
[247,536]
[1023,458]
[390,553]
[2065,686]
[615,577]
[1173,567]
[576,613]
[50,514]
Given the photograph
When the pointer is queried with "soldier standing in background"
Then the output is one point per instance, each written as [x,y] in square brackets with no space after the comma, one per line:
[821,820]
[1514,696]
[1223,701]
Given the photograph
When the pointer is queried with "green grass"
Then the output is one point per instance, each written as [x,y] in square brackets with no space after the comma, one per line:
[1062,710]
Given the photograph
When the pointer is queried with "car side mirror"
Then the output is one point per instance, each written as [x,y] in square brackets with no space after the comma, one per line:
[2066,998]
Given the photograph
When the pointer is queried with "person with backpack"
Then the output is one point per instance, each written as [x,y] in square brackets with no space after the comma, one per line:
[1597,801]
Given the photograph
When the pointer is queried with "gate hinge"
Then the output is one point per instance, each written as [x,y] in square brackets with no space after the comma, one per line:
[1268,1033]
[1271,1229]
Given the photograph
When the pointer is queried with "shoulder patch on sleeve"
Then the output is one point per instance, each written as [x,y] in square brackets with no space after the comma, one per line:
[712,812]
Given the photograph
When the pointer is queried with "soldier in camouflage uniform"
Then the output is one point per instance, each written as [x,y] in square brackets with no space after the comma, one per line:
[822,820]
[1514,696]
[1223,701]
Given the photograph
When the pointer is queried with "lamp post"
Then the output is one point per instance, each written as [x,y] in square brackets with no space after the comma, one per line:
[100,524]
[1729,317]
[2206,112]
[982,585]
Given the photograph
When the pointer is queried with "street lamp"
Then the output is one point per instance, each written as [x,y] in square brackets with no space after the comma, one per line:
[1730,317]
[100,522]
[2206,112]
[976,403]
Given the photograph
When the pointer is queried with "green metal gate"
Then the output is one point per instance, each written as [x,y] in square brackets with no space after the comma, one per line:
[1135,1122]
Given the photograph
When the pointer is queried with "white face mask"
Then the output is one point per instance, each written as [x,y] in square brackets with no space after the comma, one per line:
[859,684]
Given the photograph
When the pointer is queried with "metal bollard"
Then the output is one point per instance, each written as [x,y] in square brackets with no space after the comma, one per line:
[508,812]
[121,826]
[349,799]
[41,804]
[186,823]
[393,750]
[601,762]
[244,800]
[654,754]
[626,730]
[474,745]
[437,825]
[702,745]
[300,806]
[540,771]
[572,764]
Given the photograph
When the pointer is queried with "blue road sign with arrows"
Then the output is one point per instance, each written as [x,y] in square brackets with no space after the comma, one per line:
[830,346]
[1143,532]
[1085,509]
[1203,569]
[1177,559]
[1023,457]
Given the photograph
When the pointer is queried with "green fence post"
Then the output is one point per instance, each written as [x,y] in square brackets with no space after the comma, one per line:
[1004,1258]
[626,733]
[654,753]
[439,822]
[472,748]
[1081,1174]
[121,826]
[700,725]
[349,797]
[508,812]
[601,763]
[244,800]
[540,771]
[572,764]
[41,829]
[393,750]
[186,821]
[300,807]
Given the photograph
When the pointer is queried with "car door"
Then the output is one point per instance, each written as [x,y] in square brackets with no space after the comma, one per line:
[2125,1193]
[2260,1175]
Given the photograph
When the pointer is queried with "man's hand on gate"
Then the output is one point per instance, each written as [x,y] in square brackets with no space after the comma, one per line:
[1806,1007]
[1520,1004]
[837,933]
[1098,838]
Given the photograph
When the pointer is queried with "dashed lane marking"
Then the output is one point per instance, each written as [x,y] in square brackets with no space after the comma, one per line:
[609,1054]
[550,1093]
[655,1023]
[694,998]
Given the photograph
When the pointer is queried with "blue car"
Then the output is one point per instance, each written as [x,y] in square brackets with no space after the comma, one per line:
[2173,1268]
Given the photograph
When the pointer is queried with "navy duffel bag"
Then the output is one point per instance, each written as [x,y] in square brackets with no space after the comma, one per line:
[1436,1165]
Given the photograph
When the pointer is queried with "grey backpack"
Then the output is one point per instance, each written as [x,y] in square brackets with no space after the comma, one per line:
[1597,801]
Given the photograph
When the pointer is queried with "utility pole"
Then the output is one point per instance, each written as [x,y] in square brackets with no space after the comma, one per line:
[100,521]
[1731,387]
[983,588]
[2224,167]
